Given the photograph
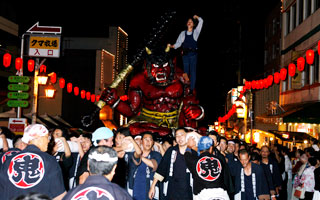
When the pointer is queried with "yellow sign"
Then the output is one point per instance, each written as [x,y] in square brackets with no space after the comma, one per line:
[44,42]
[44,46]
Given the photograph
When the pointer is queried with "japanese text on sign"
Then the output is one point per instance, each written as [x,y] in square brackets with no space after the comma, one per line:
[44,42]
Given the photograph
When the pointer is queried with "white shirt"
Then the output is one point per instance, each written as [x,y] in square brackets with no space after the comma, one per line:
[196,33]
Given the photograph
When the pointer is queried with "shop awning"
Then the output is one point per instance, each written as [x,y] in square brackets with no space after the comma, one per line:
[299,137]
[295,113]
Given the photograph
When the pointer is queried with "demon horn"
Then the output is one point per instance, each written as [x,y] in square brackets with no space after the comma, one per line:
[149,52]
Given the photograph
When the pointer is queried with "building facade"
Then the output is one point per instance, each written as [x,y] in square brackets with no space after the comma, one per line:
[300,94]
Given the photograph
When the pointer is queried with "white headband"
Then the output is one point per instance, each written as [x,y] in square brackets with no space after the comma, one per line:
[102,157]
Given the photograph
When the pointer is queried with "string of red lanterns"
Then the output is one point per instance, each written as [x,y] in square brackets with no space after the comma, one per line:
[275,78]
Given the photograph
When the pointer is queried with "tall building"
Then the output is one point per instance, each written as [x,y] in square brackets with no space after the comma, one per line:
[299,94]
[267,99]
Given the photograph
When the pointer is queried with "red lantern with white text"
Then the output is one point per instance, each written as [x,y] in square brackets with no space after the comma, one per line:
[62,82]
[19,63]
[6,59]
[310,56]
[283,74]
[30,65]
[300,64]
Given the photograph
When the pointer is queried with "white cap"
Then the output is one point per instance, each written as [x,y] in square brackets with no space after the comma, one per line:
[34,131]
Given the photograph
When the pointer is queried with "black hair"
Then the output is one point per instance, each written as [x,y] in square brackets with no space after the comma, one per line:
[244,151]
[255,156]
[101,167]
[7,132]
[123,130]
[87,135]
[223,138]
[148,133]
[33,196]
[168,138]
[284,150]
[16,139]
[65,132]
[215,133]
[315,141]
[312,160]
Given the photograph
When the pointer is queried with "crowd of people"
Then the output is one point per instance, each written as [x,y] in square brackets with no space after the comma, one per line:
[113,164]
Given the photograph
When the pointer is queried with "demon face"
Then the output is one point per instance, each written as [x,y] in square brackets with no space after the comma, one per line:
[160,72]
[159,68]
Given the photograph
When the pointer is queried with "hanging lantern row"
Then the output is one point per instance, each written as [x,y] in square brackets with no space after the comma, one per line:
[76,91]
[275,78]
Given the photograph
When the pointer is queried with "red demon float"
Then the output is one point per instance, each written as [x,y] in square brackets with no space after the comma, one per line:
[159,98]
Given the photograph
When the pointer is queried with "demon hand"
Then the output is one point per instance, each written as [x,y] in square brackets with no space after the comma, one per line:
[109,95]
[193,111]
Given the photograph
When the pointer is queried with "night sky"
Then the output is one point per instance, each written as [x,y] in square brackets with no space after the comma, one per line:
[232,34]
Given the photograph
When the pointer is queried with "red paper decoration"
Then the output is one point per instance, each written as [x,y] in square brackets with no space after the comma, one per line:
[53,77]
[88,96]
[6,59]
[270,80]
[310,56]
[83,94]
[43,68]
[62,82]
[292,69]
[76,91]
[93,98]
[97,97]
[276,78]
[69,87]
[30,65]
[300,64]
[19,63]
[283,74]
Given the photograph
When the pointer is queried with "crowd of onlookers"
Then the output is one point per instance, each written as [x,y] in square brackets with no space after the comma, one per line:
[59,163]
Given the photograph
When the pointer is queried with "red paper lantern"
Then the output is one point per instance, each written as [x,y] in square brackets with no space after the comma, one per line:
[88,96]
[248,85]
[300,64]
[83,94]
[19,63]
[253,84]
[43,68]
[261,84]
[292,69]
[6,59]
[62,82]
[30,65]
[69,87]
[53,77]
[97,97]
[310,56]
[76,91]
[276,77]
[270,80]
[93,98]
[283,74]
[265,83]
